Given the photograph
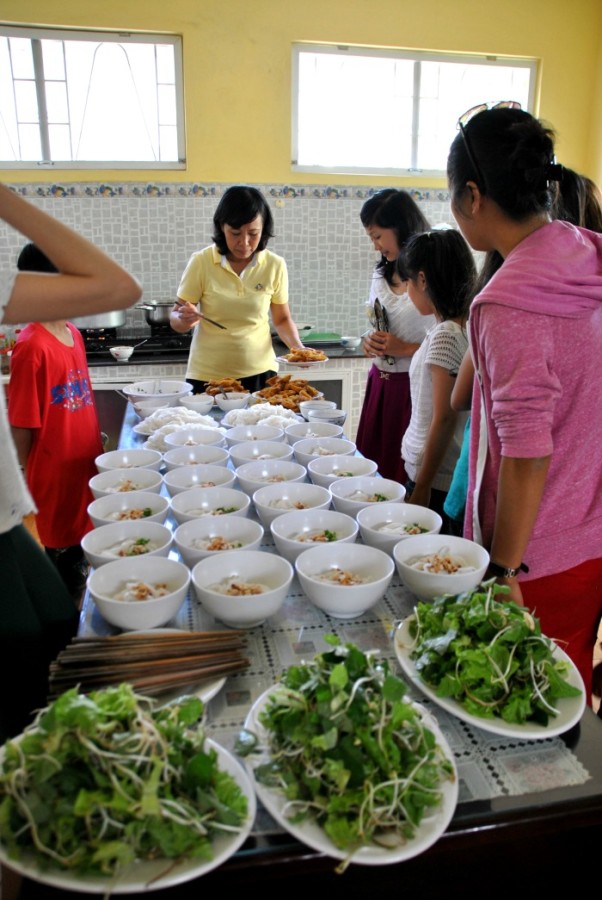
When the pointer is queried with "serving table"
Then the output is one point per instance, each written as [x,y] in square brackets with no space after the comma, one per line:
[528,810]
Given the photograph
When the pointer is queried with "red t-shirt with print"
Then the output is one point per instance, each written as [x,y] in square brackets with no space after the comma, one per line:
[50,393]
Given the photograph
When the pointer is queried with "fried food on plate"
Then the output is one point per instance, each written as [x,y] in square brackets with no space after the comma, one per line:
[229,385]
[287,391]
[305,354]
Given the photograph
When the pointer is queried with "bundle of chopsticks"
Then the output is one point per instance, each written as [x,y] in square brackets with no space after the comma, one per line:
[153,664]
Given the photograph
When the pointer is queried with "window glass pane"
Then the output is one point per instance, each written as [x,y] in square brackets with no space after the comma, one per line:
[27,101]
[166,95]
[60,141]
[336,94]
[54,63]
[168,141]
[56,101]
[29,136]
[449,89]
[21,58]
[165,64]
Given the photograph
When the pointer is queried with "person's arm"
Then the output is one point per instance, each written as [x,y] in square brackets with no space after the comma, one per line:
[88,280]
[521,484]
[23,441]
[461,395]
[285,326]
[440,433]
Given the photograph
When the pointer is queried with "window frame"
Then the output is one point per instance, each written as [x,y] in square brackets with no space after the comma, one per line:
[417,56]
[112,36]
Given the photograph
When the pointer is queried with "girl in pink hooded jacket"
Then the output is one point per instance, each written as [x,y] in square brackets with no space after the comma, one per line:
[535,481]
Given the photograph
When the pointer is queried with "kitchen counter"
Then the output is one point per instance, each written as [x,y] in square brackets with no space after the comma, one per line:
[142,357]
[528,810]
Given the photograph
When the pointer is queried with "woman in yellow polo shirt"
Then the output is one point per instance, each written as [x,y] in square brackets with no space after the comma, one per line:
[240,284]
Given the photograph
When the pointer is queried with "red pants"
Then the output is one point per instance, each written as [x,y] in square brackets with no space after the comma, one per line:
[569,607]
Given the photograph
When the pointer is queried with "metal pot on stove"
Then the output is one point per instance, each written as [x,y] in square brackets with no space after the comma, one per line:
[115,319]
[156,313]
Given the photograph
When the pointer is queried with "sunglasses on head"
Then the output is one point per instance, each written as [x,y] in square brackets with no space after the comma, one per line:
[465,119]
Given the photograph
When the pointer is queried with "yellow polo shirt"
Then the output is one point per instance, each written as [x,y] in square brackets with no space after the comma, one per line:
[242,304]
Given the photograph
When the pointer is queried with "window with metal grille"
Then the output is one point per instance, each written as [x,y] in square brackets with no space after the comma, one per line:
[78,99]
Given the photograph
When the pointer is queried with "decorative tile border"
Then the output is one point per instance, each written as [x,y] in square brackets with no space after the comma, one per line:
[174,189]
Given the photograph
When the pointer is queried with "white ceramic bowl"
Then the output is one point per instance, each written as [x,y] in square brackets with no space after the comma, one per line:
[118,481]
[253,475]
[200,403]
[309,448]
[251,566]
[350,343]
[344,601]
[198,503]
[201,455]
[147,407]
[234,529]
[427,585]
[138,615]
[300,430]
[121,354]
[383,525]
[95,543]
[184,478]
[129,459]
[306,405]
[333,416]
[232,400]
[157,388]
[287,530]
[323,470]
[249,451]
[240,434]
[287,495]
[194,436]
[104,510]
[347,492]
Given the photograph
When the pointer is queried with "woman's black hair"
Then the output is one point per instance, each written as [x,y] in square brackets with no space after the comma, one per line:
[448,266]
[578,201]
[32,259]
[239,205]
[396,210]
[514,153]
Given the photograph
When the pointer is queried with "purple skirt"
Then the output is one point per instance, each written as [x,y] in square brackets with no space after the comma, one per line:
[385,416]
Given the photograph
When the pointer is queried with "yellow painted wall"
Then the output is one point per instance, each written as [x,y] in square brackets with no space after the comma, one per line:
[237,63]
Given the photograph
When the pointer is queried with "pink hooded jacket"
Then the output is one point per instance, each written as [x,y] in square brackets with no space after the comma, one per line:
[536,338]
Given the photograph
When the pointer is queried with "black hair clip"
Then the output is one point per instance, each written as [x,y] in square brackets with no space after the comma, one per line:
[554,172]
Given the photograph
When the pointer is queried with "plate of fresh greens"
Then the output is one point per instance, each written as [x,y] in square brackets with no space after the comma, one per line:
[106,793]
[346,764]
[483,658]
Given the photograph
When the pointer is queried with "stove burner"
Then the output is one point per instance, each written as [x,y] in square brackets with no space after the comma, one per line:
[162,342]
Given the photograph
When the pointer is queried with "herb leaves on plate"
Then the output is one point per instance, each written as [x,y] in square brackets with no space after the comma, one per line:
[347,748]
[488,653]
[101,780]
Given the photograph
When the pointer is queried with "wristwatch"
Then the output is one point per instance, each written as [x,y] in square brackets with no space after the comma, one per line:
[505,571]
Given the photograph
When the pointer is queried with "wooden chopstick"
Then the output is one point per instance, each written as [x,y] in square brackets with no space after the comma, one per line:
[153,663]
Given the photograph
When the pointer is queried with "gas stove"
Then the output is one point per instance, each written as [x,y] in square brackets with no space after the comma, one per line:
[161,343]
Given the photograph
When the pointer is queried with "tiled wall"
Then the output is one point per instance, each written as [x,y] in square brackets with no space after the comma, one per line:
[152,230]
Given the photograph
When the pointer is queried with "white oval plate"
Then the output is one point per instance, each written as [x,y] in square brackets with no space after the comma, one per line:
[151,875]
[312,835]
[570,709]
[307,364]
